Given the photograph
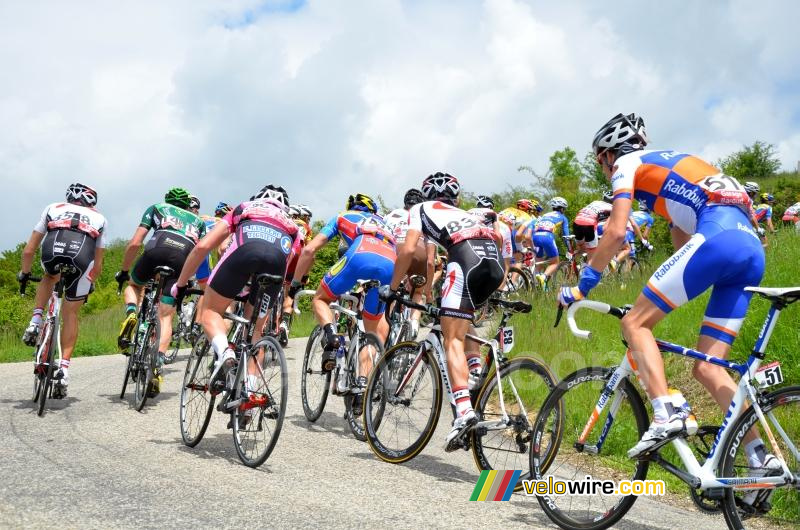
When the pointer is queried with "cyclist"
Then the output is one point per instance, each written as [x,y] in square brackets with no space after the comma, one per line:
[544,237]
[764,211]
[424,257]
[301,215]
[792,215]
[522,215]
[370,255]
[474,272]
[70,233]
[204,270]
[194,204]
[708,212]
[485,211]
[644,221]
[584,226]
[176,231]
[753,189]
[262,239]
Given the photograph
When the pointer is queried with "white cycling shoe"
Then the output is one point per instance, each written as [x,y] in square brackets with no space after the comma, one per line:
[461,426]
[757,498]
[221,367]
[658,434]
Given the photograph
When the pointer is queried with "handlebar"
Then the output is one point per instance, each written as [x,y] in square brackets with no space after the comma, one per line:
[24,284]
[594,305]
[430,309]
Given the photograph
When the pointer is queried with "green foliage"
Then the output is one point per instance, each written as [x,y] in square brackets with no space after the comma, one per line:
[594,180]
[565,172]
[753,162]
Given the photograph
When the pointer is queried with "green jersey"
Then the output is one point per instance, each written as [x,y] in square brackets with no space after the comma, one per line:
[176,220]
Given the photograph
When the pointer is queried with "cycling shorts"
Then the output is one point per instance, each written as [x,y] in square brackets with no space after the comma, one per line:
[474,272]
[706,261]
[253,255]
[545,244]
[515,246]
[585,234]
[203,271]
[163,249]
[70,248]
[368,258]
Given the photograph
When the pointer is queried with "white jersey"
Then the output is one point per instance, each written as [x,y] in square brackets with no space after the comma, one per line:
[446,225]
[397,221]
[67,216]
[793,210]
[593,212]
[506,250]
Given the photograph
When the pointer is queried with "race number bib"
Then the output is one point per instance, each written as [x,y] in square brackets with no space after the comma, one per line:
[769,375]
[723,189]
[506,338]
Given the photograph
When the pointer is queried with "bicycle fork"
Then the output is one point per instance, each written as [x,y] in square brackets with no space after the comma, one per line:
[622,371]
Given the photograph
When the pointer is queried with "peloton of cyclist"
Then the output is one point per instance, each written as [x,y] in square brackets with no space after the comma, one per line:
[176,231]
[474,272]
[708,212]
[262,239]
[301,215]
[370,255]
[423,261]
[547,227]
[70,233]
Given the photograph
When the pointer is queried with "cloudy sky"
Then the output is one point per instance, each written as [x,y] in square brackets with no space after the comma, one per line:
[329,97]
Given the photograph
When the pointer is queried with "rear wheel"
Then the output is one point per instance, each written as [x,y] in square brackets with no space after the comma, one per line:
[39,367]
[197,401]
[372,345]
[50,369]
[517,281]
[406,388]
[145,364]
[314,383]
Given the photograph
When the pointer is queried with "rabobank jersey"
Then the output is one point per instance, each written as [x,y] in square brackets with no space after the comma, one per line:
[642,219]
[676,186]
[763,212]
[353,224]
[553,222]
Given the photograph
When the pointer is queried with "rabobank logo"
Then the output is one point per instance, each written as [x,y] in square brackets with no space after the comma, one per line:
[691,193]
[286,244]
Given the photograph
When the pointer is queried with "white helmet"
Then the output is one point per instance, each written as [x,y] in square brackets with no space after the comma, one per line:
[558,202]
[294,210]
[305,211]
[441,187]
[275,195]
[82,194]
[751,187]
[621,130]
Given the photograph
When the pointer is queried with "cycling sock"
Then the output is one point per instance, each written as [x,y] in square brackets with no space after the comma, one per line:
[37,315]
[65,364]
[660,411]
[461,397]
[220,344]
[474,362]
[130,308]
[756,452]
[286,317]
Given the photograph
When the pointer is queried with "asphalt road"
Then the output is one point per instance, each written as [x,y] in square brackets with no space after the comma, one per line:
[93,462]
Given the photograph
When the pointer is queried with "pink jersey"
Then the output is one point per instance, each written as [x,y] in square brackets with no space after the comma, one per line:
[262,219]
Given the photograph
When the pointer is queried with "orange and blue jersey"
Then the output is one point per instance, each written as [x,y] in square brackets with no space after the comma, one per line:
[370,256]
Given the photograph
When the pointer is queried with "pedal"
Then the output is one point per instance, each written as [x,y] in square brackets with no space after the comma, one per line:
[657,447]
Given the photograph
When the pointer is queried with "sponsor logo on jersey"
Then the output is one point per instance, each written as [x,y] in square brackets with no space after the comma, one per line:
[691,194]
[338,266]
[662,271]
[266,233]
[286,244]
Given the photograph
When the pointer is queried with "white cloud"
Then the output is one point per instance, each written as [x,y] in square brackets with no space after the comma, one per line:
[336,96]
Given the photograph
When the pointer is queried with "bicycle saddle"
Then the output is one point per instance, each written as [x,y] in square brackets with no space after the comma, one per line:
[269,279]
[784,295]
[163,270]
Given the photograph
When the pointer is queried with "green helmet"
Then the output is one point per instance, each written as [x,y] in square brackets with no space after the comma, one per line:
[177,197]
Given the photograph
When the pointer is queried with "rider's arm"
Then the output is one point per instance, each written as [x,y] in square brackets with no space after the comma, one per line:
[306,259]
[30,250]
[404,256]
[638,231]
[133,247]
[209,242]
[679,237]
[613,234]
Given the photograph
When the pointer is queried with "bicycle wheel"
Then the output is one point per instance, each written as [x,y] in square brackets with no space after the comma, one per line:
[407,385]
[517,281]
[314,383]
[781,408]
[177,336]
[559,453]
[145,363]
[503,444]
[128,370]
[197,401]
[257,421]
[39,368]
[371,343]
[50,369]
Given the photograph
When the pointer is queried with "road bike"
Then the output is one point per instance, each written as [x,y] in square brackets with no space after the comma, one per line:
[47,362]
[143,362]
[343,380]
[253,393]
[404,396]
[399,316]
[606,416]
[187,328]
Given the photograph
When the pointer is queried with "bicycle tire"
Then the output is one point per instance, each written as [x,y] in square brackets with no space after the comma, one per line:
[521,284]
[172,353]
[269,411]
[356,423]
[128,369]
[146,363]
[784,500]
[312,407]
[38,374]
[522,379]
[390,370]
[47,385]
[196,388]
[577,401]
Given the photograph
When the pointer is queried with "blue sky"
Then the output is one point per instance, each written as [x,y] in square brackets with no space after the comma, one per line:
[328,97]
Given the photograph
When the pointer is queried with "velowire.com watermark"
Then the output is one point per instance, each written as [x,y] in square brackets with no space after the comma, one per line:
[551,486]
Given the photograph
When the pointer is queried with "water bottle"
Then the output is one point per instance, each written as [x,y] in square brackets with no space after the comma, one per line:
[341,380]
[188,309]
[474,379]
[680,404]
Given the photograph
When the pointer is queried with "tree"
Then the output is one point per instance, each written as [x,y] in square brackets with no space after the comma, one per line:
[752,162]
[594,180]
[565,171]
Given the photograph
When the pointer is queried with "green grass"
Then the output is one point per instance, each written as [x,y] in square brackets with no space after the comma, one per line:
[303,324]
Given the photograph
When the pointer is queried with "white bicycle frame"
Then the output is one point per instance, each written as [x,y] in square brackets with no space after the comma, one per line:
[700,476]
[53,314]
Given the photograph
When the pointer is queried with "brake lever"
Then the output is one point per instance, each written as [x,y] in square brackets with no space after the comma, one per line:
[559,314]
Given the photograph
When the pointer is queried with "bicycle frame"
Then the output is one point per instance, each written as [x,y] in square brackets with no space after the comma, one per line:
[696,475]
[53,313]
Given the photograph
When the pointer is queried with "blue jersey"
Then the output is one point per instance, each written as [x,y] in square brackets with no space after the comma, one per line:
[642,219]
[553,222]
[353,224]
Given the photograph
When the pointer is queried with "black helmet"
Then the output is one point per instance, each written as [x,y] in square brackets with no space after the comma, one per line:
[81,194]
[361,202]
[608,195]
[485,202]
[274,194]
[412,197]
[621,134]
[177,197]
[441,187]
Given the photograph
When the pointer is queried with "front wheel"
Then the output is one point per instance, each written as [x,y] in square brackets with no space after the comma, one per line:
[46,386]
[503,435]
[257,421]
[197,401]
[314,383]
[602,452]
[781,410]
[406,387]
[145,363]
